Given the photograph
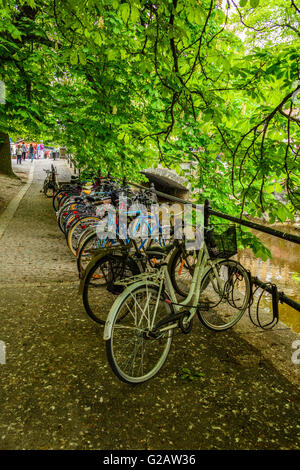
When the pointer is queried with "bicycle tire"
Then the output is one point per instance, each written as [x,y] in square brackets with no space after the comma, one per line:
[181,270]
[68,210]
[85,234]
[95,287]
[225,303]
[76,228]
[126,329]
[83,257]
[48,190]
[57,199]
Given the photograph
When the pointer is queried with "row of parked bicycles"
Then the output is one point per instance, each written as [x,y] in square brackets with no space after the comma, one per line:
[139,284]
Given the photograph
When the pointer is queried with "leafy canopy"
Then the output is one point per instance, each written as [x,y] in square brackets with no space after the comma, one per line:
[130,84]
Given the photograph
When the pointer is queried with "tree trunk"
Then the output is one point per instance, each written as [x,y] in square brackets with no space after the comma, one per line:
[5,160]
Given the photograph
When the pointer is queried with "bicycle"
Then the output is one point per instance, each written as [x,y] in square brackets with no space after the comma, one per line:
[50,185]
[123,259]
[140,325]
[100,283]
[146,224]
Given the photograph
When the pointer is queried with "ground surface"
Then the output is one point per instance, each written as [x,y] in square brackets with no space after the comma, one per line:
[58,392]
[10,186]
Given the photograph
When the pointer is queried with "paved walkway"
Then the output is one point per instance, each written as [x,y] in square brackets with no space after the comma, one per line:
[57,391]
[14,203]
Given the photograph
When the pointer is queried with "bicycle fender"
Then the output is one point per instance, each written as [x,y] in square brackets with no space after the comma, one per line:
[117,303]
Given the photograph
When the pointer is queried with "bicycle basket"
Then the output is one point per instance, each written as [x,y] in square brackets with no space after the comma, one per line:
[221,241]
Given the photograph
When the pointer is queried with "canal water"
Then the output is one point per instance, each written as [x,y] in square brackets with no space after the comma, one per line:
[283,270]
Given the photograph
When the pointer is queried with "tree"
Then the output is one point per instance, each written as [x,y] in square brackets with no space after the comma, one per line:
[5,160]
[127,84]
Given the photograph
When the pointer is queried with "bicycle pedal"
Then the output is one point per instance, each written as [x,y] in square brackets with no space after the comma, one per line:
[185,327]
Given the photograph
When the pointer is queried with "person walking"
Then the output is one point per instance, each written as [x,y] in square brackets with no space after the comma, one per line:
[31,152]
[24,151]
[41,150]
[19,154]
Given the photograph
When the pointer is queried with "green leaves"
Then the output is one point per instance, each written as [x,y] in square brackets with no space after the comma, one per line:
[191,374]
[135,100]
[195,15]
[125,11]
[283,213]
[134,14]
[128,12]
[74,58]
[98,38]
[253,3]
[82,58]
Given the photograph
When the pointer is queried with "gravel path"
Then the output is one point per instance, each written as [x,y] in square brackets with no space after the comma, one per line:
[58,392]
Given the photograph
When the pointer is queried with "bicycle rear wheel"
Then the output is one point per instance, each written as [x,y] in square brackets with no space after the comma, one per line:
[225,291]
[99,291]
[76,230]
[133,354]
[182,265]
[48,189]
[86,252]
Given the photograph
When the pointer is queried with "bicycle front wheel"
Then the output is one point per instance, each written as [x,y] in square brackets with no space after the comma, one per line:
[225,293]
[134,353]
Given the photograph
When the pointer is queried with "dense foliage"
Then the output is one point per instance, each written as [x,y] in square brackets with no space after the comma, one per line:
[126,84]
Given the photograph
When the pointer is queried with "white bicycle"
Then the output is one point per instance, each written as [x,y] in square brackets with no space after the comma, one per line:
[141,323]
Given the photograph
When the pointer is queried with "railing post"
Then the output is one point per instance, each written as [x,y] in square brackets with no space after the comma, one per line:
[206,212]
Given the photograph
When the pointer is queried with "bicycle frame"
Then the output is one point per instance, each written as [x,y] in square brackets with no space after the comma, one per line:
[204,263]
[194,293]
[141,222]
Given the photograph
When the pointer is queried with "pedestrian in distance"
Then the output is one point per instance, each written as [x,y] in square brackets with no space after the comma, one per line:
[41,150]
[19,154]
[24,151]
[31,152]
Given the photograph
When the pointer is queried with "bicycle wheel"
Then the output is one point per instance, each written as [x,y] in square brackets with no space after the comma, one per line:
[99,289]
[84,236]
[74,232]
[70,220]
[87,251]
[133,354]
[57,198]
[182,269]
[65,212]
[48,189]
[225,289]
